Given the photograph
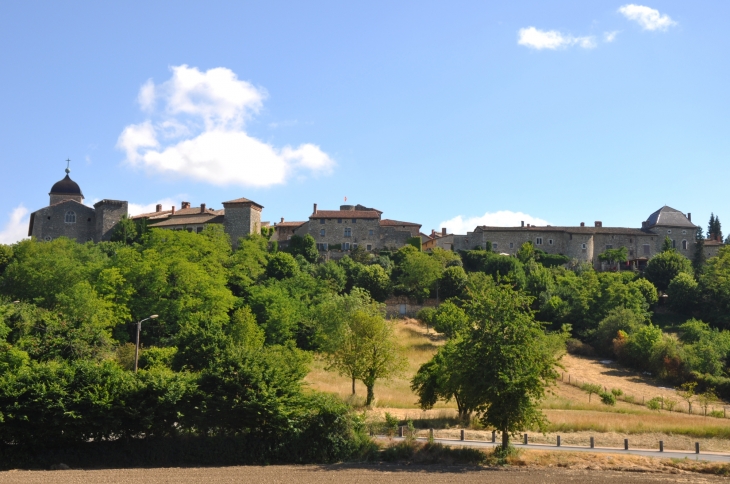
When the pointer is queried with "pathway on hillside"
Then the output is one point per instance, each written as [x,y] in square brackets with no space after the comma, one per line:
[667,454]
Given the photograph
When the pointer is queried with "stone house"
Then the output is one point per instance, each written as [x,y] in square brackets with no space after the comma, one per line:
[239,218]
[356,225]
[441,240]
[67,216]
[587,243]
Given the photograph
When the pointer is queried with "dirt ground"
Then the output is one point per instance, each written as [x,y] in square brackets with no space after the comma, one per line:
[349,473]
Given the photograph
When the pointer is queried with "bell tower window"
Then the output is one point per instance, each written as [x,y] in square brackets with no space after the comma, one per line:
[70,217]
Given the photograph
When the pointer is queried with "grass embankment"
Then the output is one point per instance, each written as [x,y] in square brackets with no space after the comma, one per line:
[567,407]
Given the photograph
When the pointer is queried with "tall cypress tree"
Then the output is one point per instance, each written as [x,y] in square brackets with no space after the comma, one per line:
[718,229]
[698,260]
[711,226]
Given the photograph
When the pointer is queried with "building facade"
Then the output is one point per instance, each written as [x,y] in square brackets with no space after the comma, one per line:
[585,244]
[67,216]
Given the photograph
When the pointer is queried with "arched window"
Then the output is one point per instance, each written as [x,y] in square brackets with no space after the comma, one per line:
[70,217]
[684,245]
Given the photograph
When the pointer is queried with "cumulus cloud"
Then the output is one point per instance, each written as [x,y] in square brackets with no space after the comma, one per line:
[197,129]
[551,39]
[17,227]
[610,36]
[502,218]
[648,18]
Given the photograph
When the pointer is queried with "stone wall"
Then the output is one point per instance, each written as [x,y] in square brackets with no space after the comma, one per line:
[392,237]
[108,215]
[60,198]
[50,223]
[333,231]
[240,220]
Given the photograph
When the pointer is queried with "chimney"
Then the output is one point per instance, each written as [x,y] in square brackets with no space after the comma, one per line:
[315,208]
[582,224]
[282,220]
[185,205]
[644,225]
[173,210]
[443,231]
[522,223]
[689,216]
[528,226]
[158,208]
[202,208]
[599,223]
[433,232]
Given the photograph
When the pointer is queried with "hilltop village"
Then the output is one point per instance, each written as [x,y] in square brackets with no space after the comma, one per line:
[339,231]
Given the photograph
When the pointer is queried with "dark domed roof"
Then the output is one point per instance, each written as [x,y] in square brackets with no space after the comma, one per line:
[66,187]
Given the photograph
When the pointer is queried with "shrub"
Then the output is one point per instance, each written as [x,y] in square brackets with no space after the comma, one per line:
[716,414]
[670,404]
[577,347]
[683,293]
[654,404]
[608,398]
[391,425]
[617,392]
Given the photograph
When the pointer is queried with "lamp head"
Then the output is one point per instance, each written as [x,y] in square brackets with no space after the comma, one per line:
[154,316]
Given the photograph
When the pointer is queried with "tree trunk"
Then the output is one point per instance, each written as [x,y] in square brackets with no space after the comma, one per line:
[353,385]
[371,395]
[505,440]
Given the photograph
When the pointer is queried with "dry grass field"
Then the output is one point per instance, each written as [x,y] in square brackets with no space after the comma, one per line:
[568,409]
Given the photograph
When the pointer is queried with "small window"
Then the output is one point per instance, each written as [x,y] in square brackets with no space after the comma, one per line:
[346,246]
[583,246]
[631,241]
[70,217]
[321,221]
[494,245]
[684,245]
[321,232]
[369,247]
[371,232]
[348,232]
[189,229]
[48,238]
[199,229]
[647,249]
[339,220]
[631,253]
[669,231]
[684,232]
[550,241]
[511,245]
[609,246]
[354,246]
[354,220]
[674,244]
[538,241]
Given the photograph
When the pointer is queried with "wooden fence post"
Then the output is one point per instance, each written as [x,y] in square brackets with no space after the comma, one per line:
[558,441]
[661,446]
[494,436]
[626,444]
[462,434]
[525,439]
[697,447]
[593,443]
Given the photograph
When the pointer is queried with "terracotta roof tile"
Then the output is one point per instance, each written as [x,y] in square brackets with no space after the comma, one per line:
[191,220]
[572,230]
[290,224]
[389,222]
[242,200]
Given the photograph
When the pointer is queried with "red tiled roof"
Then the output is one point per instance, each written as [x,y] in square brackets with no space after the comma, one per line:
[290,224]
[713,242]
[389,222]
[242,200]
[345,214]
[203,218]
[573,230]
[152,215]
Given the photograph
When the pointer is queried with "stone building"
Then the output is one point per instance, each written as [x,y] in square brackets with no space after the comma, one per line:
[239,218]
[441,240]
[356,225]
[587,243]
[67,216]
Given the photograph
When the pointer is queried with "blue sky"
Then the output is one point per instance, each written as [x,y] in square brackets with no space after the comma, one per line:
[494,112]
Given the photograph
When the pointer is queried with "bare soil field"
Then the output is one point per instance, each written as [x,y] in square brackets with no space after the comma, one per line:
[562,472]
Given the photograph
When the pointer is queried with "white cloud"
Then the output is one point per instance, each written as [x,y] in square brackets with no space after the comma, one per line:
[648,18]
[610,36]
[503,218]
[196,129]
[17,228]
[139,208]
[552,39]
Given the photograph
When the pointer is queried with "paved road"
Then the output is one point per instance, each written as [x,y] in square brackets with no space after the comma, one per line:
[704,456]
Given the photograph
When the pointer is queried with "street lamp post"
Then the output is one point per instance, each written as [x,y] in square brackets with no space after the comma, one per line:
[136,350]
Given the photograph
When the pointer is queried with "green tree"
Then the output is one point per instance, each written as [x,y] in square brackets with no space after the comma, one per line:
[714,288]
[6,254]
[698,257]
[440,379]
[452,282]
[667,244]
[665,266]
[375,280]
[647,289]
[449,319]
[526,252]
[683,293]
[418,274]
[305,246]
[281,265]
[618,319]
[507,361]
[368,351]
[125,231]
[618,255]
[333,274]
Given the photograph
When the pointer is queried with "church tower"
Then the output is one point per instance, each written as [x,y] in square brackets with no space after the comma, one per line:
[66,189]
